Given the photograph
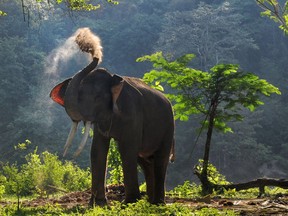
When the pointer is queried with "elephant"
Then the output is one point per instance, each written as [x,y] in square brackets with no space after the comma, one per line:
[126,109]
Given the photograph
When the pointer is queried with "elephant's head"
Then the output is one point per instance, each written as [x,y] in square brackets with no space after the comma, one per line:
[89,94]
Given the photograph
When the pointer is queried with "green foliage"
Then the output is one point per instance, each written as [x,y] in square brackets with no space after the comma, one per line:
[80,5]
[18,182]
[83,5]
[194,91]
[142,207]
[212,173]
[275,11]
[2,13]
[115,164]
[43,174]
[187,190]
[3,182]
[75,178]
[23,146]
[48,210]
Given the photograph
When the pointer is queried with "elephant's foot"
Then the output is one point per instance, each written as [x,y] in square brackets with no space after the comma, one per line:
[97,202]
[158,202]
[132,199]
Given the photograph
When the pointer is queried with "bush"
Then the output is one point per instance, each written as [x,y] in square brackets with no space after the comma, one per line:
[75,178]
[43,174]
[187,190]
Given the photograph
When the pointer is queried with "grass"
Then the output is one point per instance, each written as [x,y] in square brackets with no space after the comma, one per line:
[141,208]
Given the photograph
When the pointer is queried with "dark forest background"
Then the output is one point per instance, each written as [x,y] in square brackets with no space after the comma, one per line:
[216,31]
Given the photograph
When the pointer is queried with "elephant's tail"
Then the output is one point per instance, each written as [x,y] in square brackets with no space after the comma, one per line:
[172,152]
[89,42]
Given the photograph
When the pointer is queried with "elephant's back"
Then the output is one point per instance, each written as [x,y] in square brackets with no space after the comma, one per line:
[152,98]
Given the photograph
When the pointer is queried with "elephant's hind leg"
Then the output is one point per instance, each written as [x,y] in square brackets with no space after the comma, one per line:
[160,167]
[147,166]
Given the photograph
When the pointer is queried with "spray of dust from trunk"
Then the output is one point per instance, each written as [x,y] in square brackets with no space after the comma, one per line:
[55,64]
[84,39]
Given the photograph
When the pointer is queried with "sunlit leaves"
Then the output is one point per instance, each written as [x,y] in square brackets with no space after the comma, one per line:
[276,12]
[23,146]
[116,175]
[80,5]
[2,13]
[213,174]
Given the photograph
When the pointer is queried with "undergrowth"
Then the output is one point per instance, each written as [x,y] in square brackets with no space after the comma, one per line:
[141,208]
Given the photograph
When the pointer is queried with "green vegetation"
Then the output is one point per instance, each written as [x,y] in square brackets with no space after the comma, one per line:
[141,208]
[44,174]
[114,165]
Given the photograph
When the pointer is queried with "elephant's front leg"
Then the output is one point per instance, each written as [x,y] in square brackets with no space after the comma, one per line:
[128,152]
[99,151]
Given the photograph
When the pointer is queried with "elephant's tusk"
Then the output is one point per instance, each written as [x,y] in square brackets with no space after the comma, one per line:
[84,139]
[70,137]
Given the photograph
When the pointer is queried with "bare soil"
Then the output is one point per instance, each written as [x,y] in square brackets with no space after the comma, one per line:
[276,205]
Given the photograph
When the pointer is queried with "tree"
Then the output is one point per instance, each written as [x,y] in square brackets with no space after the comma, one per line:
[214,32]
[275,11]
[218,94]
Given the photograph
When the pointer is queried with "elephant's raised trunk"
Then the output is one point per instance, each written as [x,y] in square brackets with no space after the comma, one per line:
[88,42]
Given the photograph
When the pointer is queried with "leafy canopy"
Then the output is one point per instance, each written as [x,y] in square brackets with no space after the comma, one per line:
[194,91]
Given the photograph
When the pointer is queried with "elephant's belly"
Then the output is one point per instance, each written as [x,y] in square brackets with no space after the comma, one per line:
[148,149]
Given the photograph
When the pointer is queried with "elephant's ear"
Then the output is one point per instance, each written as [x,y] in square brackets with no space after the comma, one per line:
[117,86]
[57,94]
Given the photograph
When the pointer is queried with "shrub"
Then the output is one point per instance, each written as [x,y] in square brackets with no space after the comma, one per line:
[75,178]
[43,174]
[187,190]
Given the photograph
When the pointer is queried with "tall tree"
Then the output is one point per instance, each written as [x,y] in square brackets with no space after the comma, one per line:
[219,94]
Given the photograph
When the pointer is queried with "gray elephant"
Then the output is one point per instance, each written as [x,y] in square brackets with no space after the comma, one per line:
[138,117]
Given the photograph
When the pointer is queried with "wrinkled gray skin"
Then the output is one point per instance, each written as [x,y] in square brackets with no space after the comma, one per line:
[138,117]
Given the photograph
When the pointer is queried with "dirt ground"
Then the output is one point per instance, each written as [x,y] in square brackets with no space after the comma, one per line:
[277,205]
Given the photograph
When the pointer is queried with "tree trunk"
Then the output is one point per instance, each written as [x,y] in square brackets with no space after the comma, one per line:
[206,185]
[260,183]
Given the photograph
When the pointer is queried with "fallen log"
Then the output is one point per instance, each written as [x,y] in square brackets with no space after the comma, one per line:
[261,183]
[258,183]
